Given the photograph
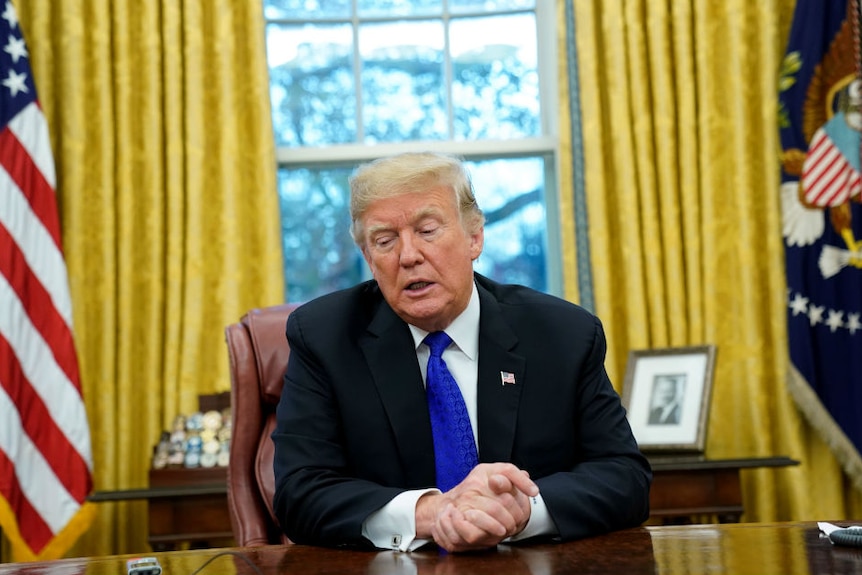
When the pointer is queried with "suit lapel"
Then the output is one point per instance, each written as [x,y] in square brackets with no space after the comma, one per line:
[391,356]
[497,402]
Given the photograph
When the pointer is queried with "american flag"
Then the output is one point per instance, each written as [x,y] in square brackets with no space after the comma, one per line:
[45,458]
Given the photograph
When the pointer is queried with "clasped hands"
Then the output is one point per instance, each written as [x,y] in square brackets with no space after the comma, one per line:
[491,504]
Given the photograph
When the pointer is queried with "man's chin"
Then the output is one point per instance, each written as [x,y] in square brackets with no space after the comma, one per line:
[426,315]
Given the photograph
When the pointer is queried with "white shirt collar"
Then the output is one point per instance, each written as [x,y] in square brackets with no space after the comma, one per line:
[464,329]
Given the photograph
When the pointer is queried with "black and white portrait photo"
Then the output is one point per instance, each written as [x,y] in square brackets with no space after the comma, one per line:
[666,399]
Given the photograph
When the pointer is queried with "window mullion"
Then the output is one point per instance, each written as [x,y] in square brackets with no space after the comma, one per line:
[357,71]
[448,70]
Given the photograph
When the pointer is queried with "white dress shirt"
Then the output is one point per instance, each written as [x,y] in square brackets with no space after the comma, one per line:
[393,526]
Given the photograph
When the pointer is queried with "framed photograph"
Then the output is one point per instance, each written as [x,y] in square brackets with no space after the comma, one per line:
[666,393]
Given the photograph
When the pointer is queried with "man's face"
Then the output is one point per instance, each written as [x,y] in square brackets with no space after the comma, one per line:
[666,391]
[421,255]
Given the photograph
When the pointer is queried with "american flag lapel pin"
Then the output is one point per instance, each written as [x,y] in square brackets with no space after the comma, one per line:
[507,378]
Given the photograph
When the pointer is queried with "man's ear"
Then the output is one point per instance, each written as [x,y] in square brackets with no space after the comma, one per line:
[477,243]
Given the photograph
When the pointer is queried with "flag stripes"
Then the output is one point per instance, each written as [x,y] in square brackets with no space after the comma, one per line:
[827,177]
[21,167]
[40,426]
[31,129]
[38,534]
[41,371]
[36,243]
[41,490]
[43,314]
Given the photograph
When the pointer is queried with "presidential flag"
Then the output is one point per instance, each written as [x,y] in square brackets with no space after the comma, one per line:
[45,458]
[820,118]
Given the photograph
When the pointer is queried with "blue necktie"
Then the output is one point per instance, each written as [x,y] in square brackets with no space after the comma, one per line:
[454,448]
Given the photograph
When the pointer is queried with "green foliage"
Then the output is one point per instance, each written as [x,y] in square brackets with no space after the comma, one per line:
[789,67]
[791,64]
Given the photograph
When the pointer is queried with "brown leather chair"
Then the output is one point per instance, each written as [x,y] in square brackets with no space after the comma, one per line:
[258,353]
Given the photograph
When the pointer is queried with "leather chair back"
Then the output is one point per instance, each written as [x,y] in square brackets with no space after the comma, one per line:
[258,353]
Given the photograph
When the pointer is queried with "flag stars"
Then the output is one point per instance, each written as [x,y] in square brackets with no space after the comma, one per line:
[10,15]
[815,314]
[16,48]
[853,323]
[834,321]
[16,83]
[818,314]
[799,304]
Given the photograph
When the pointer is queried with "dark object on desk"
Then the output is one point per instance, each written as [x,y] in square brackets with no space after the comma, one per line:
[143,566]
[258,352]
[849,536]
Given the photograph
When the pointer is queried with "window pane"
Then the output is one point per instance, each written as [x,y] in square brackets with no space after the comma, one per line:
[306,9]
[319,254]
[312,85]
[511,193]
[461,6]
[402,81]
[377,8]
[495,89]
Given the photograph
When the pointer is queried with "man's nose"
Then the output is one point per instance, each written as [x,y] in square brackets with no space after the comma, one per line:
[411,253]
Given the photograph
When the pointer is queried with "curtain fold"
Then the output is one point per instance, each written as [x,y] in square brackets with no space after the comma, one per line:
[680,134]
[161,127]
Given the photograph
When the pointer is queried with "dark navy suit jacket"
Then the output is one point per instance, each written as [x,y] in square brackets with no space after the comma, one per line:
[353,427]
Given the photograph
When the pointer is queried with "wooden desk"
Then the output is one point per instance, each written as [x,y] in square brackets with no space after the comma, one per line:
[192,508]
[686,487]
[761,548]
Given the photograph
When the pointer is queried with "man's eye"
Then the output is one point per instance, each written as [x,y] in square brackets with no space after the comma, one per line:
[382,242]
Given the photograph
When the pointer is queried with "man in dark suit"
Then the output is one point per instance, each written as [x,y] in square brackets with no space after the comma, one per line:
[354,445]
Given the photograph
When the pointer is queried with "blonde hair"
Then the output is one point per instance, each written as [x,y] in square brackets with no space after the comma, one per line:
[411,173]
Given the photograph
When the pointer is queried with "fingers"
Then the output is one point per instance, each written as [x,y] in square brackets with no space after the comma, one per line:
[511,478]
[458,531]
[495,478]
[501,515]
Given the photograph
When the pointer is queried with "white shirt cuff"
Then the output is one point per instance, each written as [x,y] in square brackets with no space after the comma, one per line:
[540,522]
[393,526]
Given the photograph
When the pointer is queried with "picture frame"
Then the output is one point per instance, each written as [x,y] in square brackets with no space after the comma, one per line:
[667,394]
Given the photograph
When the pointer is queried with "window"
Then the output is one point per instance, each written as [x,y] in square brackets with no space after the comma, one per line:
[353,80]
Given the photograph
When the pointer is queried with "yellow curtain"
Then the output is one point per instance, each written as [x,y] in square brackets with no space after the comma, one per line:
[160,122]
[679,118]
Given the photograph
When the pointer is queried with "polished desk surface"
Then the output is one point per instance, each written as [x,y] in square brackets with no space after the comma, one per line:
[757,548]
